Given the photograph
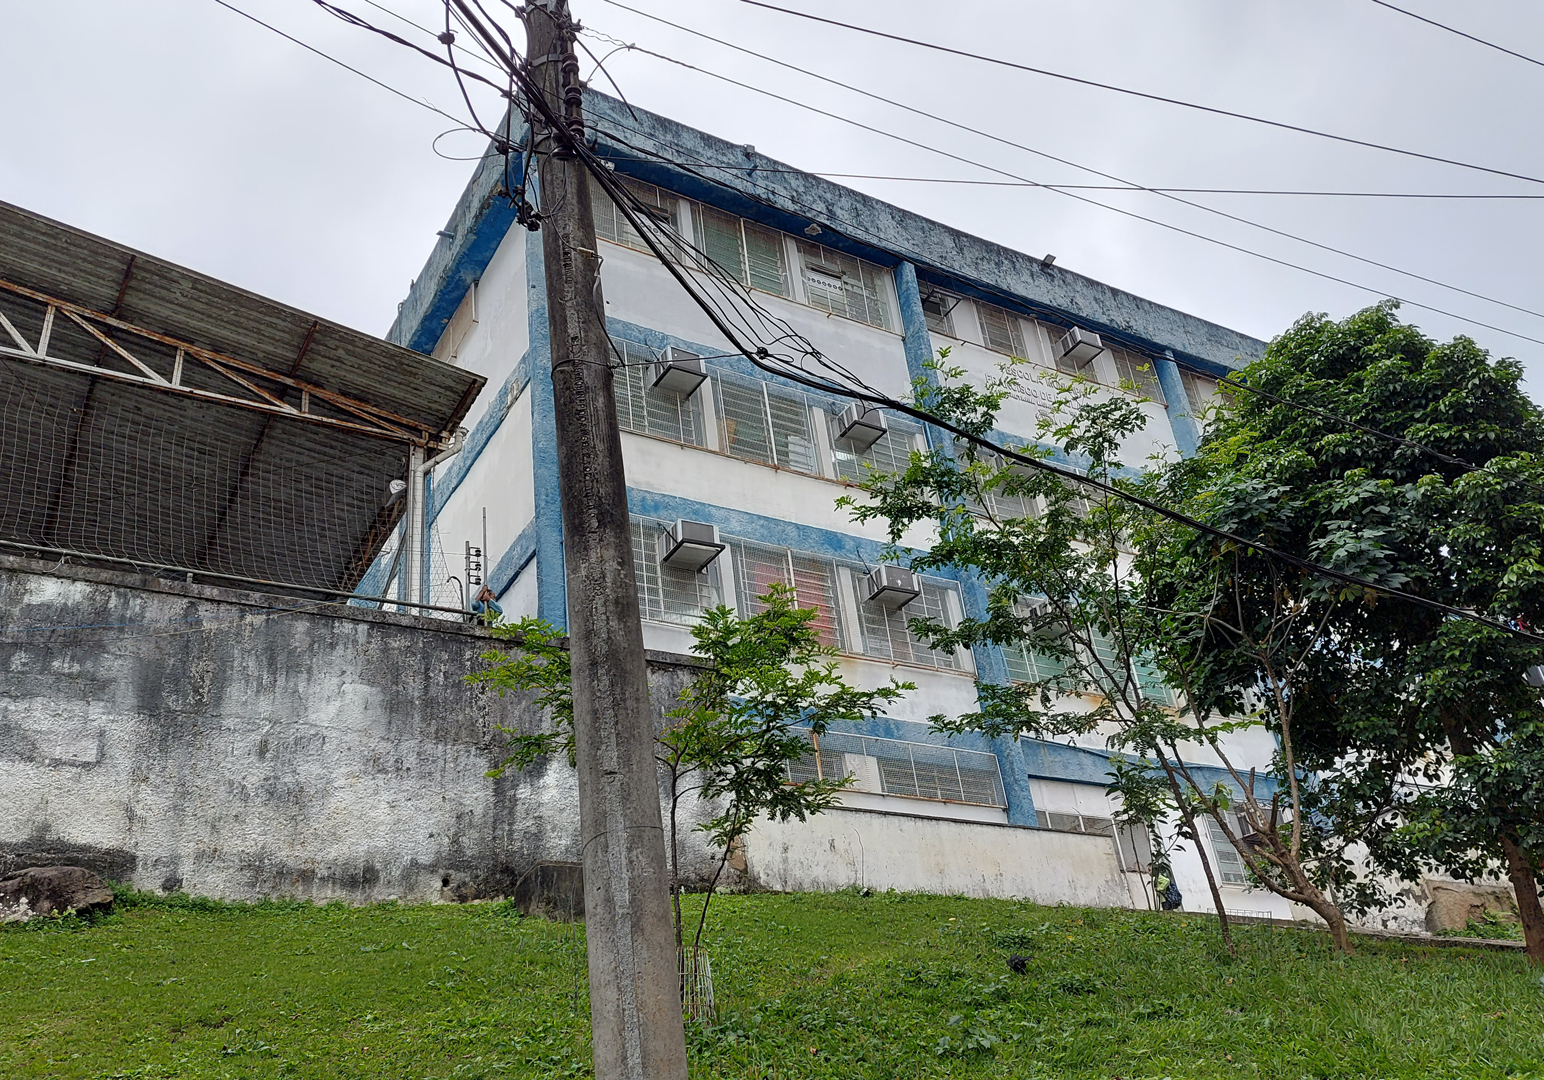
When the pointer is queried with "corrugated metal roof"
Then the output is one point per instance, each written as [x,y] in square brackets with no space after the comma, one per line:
[137,472]
[54,258]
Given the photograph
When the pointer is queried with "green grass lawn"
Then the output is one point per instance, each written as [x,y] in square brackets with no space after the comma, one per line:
[887,986]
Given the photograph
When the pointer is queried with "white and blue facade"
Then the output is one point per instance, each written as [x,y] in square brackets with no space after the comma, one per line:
[881,290]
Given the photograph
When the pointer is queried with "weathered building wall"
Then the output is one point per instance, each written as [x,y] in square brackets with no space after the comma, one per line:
[241,745]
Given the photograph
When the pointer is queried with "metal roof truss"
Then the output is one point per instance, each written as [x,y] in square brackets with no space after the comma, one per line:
[128,353]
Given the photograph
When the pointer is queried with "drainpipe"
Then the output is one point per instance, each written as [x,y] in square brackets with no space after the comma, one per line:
[415,535]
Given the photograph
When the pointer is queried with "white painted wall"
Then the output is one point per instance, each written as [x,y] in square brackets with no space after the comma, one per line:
[502,479]
[498,339]
[843,848]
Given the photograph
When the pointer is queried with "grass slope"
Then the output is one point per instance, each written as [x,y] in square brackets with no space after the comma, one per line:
[808,986]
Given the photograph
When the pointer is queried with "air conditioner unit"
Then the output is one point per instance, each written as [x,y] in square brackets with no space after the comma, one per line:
[862,425]
[1080,346]
[1536,675]
[893,587]
[1043,621]
[691,545]
[679,372]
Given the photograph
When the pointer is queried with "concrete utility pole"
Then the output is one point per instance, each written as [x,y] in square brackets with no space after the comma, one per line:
[635,991]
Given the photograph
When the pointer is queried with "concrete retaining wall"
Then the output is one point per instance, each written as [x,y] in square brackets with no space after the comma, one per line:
[242,745]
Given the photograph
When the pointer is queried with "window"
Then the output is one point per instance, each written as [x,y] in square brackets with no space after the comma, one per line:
[1000,329]
[843,285]
[938,308]
[456,330]
[1029,665]
[1138,371]
[1230,866]
[762,422]
[1150,682]
[1200,391]
[910,769]
[1069,822]
[891,454]
[887,633]
[668,594]
[648,411]
[758,567]
[751,253]
[1005,505]
[1134,848]
[611,224]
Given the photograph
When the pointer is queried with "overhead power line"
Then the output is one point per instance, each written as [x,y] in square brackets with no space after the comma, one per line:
[859,233]
[333,59]
[1074,164]
[653,233]
[1283,125]
[1139,187]
[761,357]
[1113,209]
[1460,33]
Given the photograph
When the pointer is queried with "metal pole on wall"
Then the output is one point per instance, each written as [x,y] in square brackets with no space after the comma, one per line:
[635,991]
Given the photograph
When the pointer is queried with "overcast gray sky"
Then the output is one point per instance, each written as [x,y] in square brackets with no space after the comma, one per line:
[181,128]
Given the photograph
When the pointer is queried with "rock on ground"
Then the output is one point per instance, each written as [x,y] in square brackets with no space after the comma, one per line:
[52,890]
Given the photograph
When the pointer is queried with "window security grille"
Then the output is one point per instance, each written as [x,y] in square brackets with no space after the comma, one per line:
[1025,664]
[843,285]
[1151,683]
[938,308]
[761,422]
[1230,866]
[1134,370]
[890,454]
[887,634]
[669,594]
[611,224]
[642,408]
[1000,329]
[757,567]
[751,253]
[911,769]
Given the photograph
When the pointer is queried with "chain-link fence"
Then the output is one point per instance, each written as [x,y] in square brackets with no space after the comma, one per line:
[103,470]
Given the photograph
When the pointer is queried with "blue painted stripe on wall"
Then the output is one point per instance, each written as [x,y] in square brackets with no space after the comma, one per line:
[551,575]
[765,530]
[475,250]
[915,337]
[1089,765]
[515,559]
[1187,435]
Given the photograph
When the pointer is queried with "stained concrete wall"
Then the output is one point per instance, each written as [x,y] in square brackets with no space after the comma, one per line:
[242,745]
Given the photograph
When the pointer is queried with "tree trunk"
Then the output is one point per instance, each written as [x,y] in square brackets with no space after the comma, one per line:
[675,862]
[1211,882]
[1526,886]
[1326,910]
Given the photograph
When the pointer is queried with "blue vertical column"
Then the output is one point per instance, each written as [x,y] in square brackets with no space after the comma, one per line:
[551,573]
[990,666]
[1187,433]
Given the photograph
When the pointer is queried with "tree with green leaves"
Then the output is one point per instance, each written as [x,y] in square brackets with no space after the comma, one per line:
[1419,466]
[765,685]
[1074,577]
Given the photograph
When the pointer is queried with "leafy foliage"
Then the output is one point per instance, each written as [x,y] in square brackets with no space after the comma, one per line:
[1107,605]
[767,684]
[1424,735]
